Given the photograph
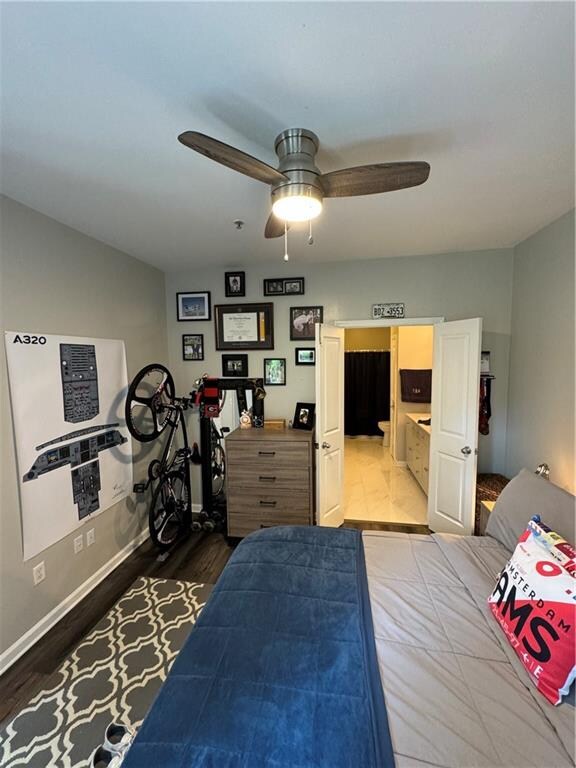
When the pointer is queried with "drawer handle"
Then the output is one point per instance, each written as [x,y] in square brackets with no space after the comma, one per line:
[267,478]
[267,503]
[266,453]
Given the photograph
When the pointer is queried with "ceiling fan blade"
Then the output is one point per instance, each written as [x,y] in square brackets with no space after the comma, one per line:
[274,227]
[231,157]
[371,179]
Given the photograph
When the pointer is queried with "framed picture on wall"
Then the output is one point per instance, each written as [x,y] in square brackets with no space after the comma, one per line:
[294,286]
[192,346]
[244,326]
[235,284]
[193,306]
[302,320]
[235,365]
[274,287]
[305,356]
[274,371]
[284,286]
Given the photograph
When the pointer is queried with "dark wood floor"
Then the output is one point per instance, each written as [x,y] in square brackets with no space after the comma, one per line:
[199,558]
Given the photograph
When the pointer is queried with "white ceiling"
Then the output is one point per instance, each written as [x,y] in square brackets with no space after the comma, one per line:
[94,96]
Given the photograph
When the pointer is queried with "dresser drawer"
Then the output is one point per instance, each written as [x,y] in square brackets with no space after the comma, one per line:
[249,511]
[241,525]
[273,503]
[270,478]
[261,454]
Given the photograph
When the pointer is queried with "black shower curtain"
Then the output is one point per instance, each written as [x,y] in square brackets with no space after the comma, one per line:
[366,392]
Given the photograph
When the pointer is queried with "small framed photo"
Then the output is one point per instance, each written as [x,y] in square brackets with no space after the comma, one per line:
[284,286]
[294,286]
[274,287]
[235,284]
[302,320]
[304,416]
[305,356]
[274,371]
[235,365]
[193,306]
[192,346]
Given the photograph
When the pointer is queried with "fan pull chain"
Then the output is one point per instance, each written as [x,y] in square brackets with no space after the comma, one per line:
[286,257]
[310,237]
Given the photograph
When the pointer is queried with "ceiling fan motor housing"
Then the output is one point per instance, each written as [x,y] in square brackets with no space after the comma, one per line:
[296,149]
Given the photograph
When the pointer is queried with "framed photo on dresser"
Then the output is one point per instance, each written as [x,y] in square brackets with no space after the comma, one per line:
[304,416]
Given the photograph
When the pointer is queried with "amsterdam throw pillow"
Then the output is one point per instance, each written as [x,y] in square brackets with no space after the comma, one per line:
[535,604]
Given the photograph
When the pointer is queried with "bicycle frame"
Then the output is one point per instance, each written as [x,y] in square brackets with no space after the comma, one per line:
[175,421]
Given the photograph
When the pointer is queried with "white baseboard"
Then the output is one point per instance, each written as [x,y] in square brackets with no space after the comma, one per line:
[23,644]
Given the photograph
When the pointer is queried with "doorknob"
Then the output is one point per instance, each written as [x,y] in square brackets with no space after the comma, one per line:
[466,450]
[326,445]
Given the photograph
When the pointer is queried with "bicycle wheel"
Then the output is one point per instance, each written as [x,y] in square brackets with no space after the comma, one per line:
[218,470]
[169,510]
[147,401]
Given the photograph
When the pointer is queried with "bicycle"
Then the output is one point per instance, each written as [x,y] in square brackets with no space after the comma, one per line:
[151,408]
[217,460]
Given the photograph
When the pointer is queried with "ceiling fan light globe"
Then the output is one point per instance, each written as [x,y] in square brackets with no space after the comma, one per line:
[297,208]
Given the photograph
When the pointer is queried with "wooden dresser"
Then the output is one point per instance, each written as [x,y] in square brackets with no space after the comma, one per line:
[269,479]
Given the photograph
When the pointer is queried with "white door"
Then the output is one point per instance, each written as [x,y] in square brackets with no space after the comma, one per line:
[329,424]
[454,428]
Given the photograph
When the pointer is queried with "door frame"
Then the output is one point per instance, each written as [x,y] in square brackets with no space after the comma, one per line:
[388,322]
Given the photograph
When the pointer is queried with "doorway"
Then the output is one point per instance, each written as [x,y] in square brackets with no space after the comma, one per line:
[454,420]
[387,392]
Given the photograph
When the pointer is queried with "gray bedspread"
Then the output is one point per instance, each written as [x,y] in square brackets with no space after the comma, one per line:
[456,694]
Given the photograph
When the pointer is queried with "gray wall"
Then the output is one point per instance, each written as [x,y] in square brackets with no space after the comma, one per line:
[458,285]
[56,280]
[541,393]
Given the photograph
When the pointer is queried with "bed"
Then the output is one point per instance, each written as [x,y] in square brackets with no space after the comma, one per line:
[338,649]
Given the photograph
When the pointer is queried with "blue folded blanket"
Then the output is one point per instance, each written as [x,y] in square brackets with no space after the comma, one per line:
[280,670]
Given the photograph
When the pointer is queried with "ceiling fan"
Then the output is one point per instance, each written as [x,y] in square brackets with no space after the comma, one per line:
[298,187]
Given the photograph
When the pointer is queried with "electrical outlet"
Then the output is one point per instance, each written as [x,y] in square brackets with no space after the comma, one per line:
[78,544]
[90,537]
[39,573]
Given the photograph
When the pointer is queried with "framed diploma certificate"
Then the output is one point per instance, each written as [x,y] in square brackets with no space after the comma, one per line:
[244,326]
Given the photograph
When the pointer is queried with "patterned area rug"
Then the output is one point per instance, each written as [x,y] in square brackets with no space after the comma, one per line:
[114,674]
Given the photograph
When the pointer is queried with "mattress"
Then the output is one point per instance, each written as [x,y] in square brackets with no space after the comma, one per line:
[456,695]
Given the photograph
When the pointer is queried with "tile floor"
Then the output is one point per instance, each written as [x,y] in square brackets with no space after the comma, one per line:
[375,489]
